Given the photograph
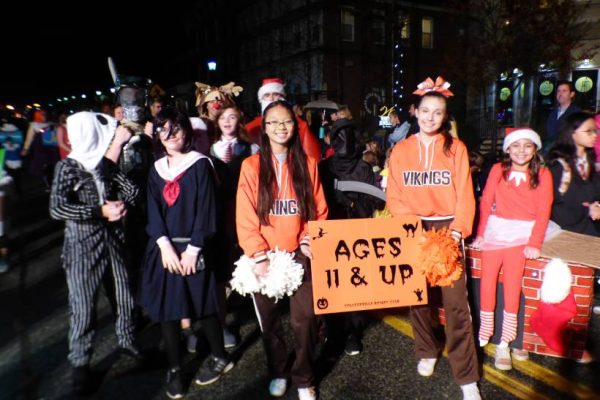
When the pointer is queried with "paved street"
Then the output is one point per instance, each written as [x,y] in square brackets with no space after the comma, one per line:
[33,345]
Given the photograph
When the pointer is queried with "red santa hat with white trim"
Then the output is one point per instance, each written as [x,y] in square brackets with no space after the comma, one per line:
[271,85]
[518,133]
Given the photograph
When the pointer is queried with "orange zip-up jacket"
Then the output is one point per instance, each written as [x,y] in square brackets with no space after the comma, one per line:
[424,181]
[310,144]
[287,229]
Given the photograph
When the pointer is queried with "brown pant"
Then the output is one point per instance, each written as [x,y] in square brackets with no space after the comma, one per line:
[460,341]
[304,328]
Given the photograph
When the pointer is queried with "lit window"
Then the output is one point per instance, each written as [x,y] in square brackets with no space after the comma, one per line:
[347,26]
[404,23]
[427,33]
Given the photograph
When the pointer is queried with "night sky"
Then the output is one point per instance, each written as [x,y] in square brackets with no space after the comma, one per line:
[46,53]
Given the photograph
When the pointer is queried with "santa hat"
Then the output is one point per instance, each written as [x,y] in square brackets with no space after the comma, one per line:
[271,85]
[514,134]
[557,306]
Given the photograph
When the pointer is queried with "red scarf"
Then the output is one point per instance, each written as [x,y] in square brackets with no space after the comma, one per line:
[171,190]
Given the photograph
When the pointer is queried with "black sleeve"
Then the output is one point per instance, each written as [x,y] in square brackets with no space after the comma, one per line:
[205,220]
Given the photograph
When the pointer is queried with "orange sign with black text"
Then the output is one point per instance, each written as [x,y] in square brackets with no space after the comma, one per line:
[366,264]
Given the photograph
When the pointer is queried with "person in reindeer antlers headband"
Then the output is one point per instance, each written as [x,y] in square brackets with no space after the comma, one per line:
[429,176]
[210,99]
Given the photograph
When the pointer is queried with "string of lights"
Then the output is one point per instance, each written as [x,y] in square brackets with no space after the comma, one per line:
[398,70]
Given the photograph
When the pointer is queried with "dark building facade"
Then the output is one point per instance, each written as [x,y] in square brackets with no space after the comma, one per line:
[352,52]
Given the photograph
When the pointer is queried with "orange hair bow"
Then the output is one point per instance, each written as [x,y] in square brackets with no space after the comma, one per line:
[428,85]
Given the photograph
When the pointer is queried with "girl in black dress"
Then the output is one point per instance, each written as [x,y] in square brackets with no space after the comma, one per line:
[176,282]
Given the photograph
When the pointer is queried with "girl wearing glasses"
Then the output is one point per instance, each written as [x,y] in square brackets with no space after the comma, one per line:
[176,284]
[576,182]
[278,193]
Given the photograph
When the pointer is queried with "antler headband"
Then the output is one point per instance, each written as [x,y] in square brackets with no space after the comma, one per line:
[229,90]
[428,85]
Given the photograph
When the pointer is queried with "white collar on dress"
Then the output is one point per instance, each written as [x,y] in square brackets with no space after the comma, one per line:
[168,174]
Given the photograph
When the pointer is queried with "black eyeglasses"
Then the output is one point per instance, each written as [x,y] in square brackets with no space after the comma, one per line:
[277,124]
[164,131]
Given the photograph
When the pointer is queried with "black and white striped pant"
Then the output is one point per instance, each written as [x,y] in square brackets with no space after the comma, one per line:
[84,279]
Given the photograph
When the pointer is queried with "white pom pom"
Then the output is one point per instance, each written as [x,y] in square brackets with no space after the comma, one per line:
[283,278]
[557,281]
[284,275]
[244,279]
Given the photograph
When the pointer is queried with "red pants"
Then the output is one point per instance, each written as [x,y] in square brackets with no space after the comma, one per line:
[512,262]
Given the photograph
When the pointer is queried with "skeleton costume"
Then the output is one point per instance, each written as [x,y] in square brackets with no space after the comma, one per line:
[92,244]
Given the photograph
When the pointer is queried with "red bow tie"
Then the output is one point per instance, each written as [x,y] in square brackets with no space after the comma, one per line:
[171,190]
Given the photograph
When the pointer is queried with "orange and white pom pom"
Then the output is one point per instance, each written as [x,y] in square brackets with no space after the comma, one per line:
[440,258]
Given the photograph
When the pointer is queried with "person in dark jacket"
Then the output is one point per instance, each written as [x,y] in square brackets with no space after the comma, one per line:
[576,183]
[565,94]
[346,164]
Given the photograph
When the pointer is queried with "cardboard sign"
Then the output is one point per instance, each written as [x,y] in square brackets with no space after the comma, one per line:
[365,264]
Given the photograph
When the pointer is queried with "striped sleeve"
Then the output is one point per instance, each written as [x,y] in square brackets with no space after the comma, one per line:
[62,203]
[128,191]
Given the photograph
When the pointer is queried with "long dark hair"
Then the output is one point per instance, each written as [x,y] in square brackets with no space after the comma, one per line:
[533,169]
[298,169]
[175,118]
[445,127]
[565,147]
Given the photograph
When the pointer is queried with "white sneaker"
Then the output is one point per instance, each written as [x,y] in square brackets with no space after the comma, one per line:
[470,391]
[426,366]
[596,310]
[309,393]
[502,360]
[520,354]
[277,387]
